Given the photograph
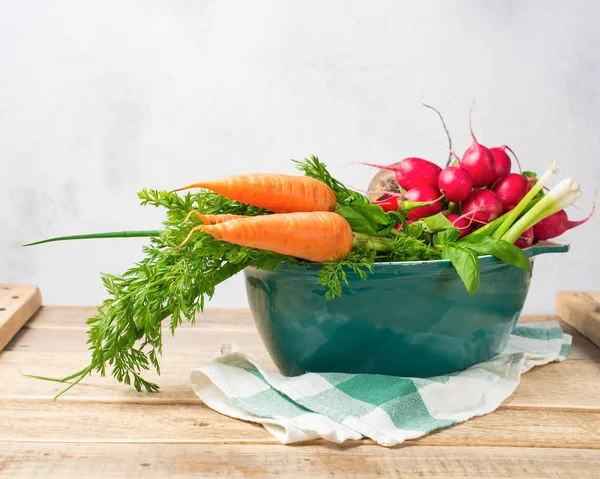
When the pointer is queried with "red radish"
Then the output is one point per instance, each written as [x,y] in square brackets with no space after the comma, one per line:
[511,189]
[391,203]
[424,193]
[478,160]
[531,182]
[456,183]
[526,239]
[413,172]
[502,161]
[556,224]
[461,222]
[482,206]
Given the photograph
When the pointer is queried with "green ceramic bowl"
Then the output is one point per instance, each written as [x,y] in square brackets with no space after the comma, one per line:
[408,319]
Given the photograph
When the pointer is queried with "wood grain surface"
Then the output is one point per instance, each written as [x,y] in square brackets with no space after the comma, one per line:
[18,303]
[550,427]
[581,311]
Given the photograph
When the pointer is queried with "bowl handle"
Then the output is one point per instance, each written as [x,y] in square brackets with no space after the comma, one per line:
[544,247]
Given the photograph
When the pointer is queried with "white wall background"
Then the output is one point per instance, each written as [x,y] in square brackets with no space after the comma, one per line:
[100,99]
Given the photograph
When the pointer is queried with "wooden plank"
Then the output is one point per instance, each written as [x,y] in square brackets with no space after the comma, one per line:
[174,382]
[542,387]
[17,304]
[68,317]
[197,340]
[74,317]
[568,385]
[47,421]
[582,311]
[190,341]
[57,460]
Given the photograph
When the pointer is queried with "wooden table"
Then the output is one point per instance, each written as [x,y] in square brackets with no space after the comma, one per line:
[550,427]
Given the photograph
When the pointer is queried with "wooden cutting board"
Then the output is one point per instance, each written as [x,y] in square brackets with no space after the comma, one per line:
[582,311]
[18,303]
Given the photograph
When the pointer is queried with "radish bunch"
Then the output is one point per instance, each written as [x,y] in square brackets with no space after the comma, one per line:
[476,189]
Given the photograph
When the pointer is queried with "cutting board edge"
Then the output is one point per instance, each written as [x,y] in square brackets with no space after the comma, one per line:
[20,311]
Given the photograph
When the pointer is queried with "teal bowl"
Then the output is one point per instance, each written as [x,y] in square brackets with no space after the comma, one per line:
[411,319]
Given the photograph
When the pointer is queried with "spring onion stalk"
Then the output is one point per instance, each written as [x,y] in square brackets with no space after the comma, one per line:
[490,228]
[112,234]
[514,214]
[562,195]
[373,242]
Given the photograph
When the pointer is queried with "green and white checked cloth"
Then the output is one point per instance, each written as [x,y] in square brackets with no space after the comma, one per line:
[338,407]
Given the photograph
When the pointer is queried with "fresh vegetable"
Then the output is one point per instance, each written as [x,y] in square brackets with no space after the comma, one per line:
[512,216]
[383,180]
[511,189]
[263,221]
[526,239]
[462,223]
[413,172]
[456,183]
[391,202]
[181,270]
[478,160]
[482,206]
[277,193]
[556,224]
[559,197]
[424,194]
[317,236]
[502,163]
[212,219]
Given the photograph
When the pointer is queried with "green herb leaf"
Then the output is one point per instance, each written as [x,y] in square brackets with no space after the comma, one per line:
[446,236]
[408,248]
[333,275]
[466,263]
[316,169]
[435,223]
[506,252]
[369,219]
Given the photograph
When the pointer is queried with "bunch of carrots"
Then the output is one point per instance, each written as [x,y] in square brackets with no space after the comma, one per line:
[304,224]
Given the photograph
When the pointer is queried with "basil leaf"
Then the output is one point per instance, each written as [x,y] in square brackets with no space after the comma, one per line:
[466,263]
[415,230]
[435,223]
[448,236]
[506,252]
[369,219]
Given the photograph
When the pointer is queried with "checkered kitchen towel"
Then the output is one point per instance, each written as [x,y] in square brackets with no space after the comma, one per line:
[387,409]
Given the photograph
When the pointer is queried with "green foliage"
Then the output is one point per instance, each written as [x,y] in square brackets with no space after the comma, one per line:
[334,275]
[314,168]
[409,248]
[125,334]
[466,263]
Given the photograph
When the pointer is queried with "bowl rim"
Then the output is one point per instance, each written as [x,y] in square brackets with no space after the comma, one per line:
[542,247]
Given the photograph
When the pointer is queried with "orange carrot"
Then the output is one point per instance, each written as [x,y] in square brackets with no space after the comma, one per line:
[277,193]
[212,219]
[314,236]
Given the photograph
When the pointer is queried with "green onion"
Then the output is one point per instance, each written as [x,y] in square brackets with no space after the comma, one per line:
[514,214]
[562,195]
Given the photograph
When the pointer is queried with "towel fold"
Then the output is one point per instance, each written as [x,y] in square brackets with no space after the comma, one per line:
[388,409]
